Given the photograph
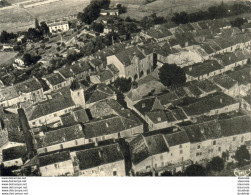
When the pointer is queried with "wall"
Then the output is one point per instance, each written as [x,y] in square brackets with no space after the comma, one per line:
[106,170]
[57,169]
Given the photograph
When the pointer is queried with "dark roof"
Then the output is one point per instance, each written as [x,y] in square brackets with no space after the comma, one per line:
[200,69]
[80,67]
[142,147]
[203,131]
[98,156]
[108,125]
[29,85]
[243,76]
[65,72]
[208,103]
[14,153]
[54,158]
[54,78]
[49,106]
[248,98]
[235,126]
[61,135]
[126,56]
[176,138]
[179,114]
[148,104]
[224,81]
[207,86]
[97,93]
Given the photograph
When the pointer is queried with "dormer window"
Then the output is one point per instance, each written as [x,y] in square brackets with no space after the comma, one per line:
[106,124]
[159,119]
[143,105]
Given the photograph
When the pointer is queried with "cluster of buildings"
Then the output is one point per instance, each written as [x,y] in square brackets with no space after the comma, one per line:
[77,125]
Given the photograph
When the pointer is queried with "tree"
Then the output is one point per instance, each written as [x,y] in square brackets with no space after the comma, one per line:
[92,11]
[5,36]
[37,24]
[29,59]
[172,75]
[123,84]
[216,164]
[44,28]
[166,173]
[242,155]
[195,170]
[238,22]
[122,9]
[98,27]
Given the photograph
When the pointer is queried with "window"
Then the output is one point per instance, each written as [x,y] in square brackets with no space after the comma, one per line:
[242,139]
[61,146]
[90,140]
[198,147]
[181,152]
[114,173]
[33,123]
[234,138]
[45,150]
[219,149]
[197,154]
[156,165]
[161,157]
[214,142]
[180,146]
[162,164]
[76,142]
[148,167]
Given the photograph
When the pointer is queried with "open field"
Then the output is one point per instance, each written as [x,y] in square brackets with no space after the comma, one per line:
[17,18]
[6,56]
[165,8]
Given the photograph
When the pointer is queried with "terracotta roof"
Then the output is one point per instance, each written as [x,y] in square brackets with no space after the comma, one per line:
[29,85]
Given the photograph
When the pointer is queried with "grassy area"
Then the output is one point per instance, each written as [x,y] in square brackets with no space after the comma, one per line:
[6,56]
[17,18]
[138,9]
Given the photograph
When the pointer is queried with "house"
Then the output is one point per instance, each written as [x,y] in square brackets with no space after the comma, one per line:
[56,164]
[97,93]
[59,138]
[109,12]
[213,104]
[8,96]
[67,74]
[81,70]
[112,127]
[163,150]
[14,156]
[106,160]
[76,115]
[212,138]
[227,85]
[246,103]
[207,87]
[148,152]
[157,33]
[132,62]
[30,89]
[243,78]
[203,70]
[49,111]
[56,27]
[55,81]
[104,76]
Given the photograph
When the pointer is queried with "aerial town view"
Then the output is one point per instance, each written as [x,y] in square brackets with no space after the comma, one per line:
[125,87]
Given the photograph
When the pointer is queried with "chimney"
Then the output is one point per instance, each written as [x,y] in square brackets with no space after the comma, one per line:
[143,105]
[159,119]
[175,129]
